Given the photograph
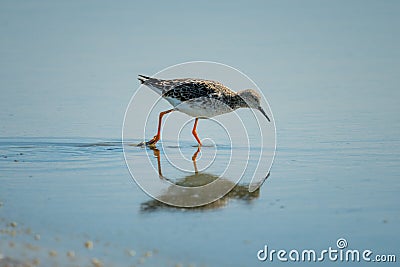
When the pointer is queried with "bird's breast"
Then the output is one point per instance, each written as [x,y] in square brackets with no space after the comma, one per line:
[203,107]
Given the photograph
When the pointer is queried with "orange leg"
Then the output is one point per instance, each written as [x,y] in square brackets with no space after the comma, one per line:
[194,158]
[156,138]
[157,155]
[194,132]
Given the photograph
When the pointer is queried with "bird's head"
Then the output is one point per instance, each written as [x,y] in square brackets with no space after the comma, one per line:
[253,100]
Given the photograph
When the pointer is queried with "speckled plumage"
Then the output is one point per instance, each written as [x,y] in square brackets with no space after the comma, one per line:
[196,97]
[200,99]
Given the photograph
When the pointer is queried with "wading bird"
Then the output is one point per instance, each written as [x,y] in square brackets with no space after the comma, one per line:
[200,99]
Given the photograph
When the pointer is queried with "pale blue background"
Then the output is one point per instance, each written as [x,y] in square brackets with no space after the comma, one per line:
[68,68]
[328,68]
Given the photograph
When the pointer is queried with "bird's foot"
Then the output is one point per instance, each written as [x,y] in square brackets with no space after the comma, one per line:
[153,141]
[150,143]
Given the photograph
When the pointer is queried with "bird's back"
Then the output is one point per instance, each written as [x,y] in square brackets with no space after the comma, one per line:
[187,88]
[160,86]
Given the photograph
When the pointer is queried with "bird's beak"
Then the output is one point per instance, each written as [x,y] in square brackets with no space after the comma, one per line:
[263,112]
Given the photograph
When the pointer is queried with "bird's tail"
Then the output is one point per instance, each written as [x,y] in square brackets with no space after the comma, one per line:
[157,85]
[143,78]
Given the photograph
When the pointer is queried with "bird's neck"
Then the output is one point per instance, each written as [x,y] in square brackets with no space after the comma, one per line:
[238,102]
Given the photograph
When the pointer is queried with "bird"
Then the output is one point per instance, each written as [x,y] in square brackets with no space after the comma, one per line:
[199,98]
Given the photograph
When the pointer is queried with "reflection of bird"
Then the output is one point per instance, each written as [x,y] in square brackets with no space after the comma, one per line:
[184,198]
[239,192]
[156,152]
[200,99]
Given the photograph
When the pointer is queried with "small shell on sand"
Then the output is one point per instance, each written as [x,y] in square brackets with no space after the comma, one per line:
[89,244]
[71,254]
[131,252]
[52,253]
[97,262]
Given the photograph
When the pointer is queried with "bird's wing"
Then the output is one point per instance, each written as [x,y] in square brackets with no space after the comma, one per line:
[187,89]
[161,86]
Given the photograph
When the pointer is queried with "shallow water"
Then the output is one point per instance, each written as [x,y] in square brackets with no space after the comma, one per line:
[73,190]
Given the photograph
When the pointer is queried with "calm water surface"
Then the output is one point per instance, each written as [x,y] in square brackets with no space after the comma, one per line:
[320,189]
